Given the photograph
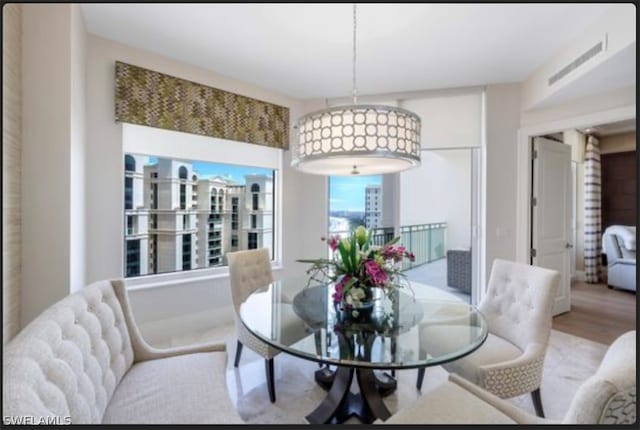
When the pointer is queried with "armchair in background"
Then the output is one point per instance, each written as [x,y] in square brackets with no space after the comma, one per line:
[619,244]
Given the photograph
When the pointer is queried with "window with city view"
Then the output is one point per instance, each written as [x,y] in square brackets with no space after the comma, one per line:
[183,215]
[354,201]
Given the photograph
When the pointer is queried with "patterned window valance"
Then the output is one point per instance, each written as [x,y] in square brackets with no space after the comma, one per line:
[154,99]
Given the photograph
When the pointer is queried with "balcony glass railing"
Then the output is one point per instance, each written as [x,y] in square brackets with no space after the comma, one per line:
[426,241]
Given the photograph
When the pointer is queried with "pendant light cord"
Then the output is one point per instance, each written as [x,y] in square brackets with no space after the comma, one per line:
[355,92]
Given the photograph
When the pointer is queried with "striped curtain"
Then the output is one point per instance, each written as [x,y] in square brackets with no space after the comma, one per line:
[592,211]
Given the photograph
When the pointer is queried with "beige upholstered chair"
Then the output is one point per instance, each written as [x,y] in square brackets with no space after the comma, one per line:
[248,271]
[607,397]
[84,359]
[517,306]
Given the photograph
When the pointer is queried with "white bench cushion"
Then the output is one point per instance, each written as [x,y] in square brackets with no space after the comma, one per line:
[185,389]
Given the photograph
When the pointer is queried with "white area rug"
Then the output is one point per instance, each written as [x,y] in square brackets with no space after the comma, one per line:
[569,361]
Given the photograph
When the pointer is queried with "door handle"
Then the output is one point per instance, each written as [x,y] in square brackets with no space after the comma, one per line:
[568,246]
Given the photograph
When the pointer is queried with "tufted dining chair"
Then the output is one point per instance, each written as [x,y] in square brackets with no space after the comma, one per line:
[607,397]
[249,271]
[517,306]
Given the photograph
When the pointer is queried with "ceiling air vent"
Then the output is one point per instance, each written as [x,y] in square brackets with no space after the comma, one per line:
[589,54]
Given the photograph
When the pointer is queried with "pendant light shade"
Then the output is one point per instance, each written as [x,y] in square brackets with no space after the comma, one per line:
[357,139]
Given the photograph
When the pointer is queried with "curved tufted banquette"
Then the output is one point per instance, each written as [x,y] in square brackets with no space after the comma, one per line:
[607,397]
[517,306]
[84,358]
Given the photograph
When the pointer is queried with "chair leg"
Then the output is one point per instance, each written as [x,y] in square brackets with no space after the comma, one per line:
[420,378]
[238,354]
[537,402]
[268,364]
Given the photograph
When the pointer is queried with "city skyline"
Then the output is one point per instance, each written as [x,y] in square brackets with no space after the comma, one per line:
[207,170]
[346,193]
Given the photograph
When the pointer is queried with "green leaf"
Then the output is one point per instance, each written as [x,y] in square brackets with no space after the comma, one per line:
[393,241]
[354,252]
[345,256]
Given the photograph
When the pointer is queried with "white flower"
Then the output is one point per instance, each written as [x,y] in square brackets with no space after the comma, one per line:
[355,313]
[358,293]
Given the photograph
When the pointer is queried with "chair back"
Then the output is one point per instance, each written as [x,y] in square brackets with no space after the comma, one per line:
[518,302]
[609,396]
[248,271]
[69,360]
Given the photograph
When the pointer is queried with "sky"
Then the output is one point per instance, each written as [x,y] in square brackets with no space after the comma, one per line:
[346,193]
[236,173]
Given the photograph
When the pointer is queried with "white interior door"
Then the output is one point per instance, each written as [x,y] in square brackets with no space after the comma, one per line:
[551,214]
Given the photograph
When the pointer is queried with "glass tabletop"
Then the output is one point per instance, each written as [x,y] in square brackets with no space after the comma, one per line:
[419,327]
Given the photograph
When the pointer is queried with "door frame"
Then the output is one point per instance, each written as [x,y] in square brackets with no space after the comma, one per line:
[524,169]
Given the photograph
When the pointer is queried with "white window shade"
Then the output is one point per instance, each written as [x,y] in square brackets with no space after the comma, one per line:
[174,144]
[448,121]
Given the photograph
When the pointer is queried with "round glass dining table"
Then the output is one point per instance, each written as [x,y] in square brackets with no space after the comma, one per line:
[419,326]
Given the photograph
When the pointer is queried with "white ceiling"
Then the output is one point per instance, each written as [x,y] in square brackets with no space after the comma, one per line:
[617,72]
[305,50]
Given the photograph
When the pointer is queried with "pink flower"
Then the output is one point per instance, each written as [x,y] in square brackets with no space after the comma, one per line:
[333,242]
[339,289]
[395,253]
[411,256]
[375,272]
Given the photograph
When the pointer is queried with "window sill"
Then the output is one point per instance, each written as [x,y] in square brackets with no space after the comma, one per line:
[180,278]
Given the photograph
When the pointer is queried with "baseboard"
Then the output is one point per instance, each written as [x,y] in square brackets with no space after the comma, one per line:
[579,276]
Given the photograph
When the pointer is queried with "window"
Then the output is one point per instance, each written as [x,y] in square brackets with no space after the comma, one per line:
[183,196]
[132,256]
[186,251]
[253,240]
[130,225]
[128,193]
[351,201]
[162,244]
[154,196]
[129,163]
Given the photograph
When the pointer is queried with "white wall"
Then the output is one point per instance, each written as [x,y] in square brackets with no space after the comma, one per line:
[195,293]
[502,112]
[77,224]
[46,161]
[622,142]
[440,191]
[11,168]
[580,107]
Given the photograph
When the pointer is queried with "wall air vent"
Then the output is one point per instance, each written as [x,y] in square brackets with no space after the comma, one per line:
[589,54]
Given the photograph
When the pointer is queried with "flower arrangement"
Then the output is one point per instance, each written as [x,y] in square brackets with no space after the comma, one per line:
[357,267]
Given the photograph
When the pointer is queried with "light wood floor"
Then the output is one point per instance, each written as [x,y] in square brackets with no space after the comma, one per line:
[598,313]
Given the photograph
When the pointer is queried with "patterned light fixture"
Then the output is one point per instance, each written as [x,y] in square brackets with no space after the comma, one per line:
[357,139]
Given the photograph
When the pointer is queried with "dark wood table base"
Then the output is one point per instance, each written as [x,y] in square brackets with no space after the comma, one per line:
[341,403]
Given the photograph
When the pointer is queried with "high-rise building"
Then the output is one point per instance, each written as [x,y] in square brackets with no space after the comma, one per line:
[176,221]
[373,206]
[136,217]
